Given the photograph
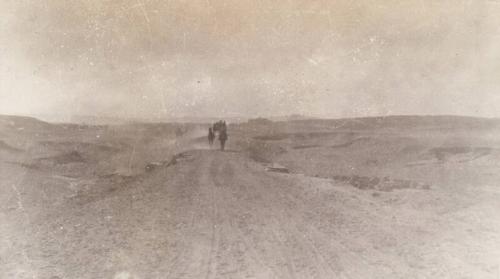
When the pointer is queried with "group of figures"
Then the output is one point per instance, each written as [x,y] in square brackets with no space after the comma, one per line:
[218,129]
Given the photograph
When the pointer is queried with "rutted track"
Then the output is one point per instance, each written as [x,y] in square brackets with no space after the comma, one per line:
[218,214]
[265,225]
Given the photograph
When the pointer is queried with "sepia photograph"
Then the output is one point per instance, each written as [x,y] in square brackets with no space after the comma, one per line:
[249,139]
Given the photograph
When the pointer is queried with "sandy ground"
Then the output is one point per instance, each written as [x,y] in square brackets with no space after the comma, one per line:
[208,214]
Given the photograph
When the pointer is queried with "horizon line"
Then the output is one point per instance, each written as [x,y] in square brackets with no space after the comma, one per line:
[173,119]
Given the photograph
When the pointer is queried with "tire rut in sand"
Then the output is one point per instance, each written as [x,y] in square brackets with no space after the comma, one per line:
[243,256]
[211,269]
[190,234]
[301,253]
[275,236]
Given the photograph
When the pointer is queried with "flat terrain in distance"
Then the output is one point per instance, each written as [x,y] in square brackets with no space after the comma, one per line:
[392,197]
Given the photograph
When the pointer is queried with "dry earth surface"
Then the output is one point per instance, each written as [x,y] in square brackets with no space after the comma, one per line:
[394,197]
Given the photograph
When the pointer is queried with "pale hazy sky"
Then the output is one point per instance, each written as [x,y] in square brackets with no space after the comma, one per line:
[160,58]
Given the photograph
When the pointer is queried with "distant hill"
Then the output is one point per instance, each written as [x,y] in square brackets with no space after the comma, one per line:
[84,119]
[21,122]
[291,117]
[259,121]
[204,119]
[409,122]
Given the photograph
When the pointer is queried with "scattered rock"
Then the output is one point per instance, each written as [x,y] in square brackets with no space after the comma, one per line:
[152,166]
[277,168]
[385,184]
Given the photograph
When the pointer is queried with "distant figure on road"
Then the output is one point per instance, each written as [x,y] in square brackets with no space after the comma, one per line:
[211,136]
[219,126]
[222,139]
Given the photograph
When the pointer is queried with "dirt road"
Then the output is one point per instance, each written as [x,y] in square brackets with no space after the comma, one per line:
[227,218]
[243,223]
[220,215]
